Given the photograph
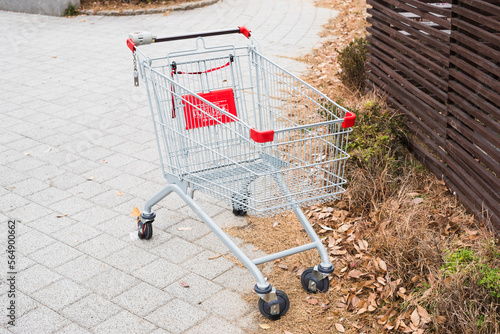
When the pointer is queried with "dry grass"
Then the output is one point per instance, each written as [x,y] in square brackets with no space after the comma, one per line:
[120,5]
[390,235]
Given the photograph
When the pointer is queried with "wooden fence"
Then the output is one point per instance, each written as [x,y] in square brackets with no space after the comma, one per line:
[439,64]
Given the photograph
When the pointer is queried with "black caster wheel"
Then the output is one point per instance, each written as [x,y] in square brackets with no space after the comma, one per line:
[146,232]
[321,285]
[239,212]
[283,301]
[240,209]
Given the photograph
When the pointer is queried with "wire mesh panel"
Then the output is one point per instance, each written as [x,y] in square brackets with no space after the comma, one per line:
[207,103]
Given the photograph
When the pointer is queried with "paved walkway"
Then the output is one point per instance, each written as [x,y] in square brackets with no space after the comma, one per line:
[75,134]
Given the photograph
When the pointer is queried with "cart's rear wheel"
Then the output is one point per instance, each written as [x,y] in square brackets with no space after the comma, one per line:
[283,301]
[146,232]
[239,212]
[307,277]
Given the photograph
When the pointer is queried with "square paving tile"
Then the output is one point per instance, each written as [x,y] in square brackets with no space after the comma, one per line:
[60,294]
[90,311]
[177,250]
[142,299]
[199,289]
[204,266]
[125,322]
[39,320]
[177,316]
[110,283]
[160,273]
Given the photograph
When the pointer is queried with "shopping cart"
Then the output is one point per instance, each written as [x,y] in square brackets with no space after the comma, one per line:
[231,123]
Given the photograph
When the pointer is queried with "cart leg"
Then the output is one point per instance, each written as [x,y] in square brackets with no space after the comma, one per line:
[316,278]
[145,221]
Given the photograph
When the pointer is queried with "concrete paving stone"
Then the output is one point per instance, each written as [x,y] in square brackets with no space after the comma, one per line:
[34,278]
[88,189]
[119,226]
[176,250]
[54,255]
[110,199]
[26,164]
[72,329]
[189,229]
[177,316]
[202,265]
[67,180]
[9,155]
[76,234]
[160,273]
[82,268]
[237,279]
[33,241]
[159,237]
[130,258]
[94,215]
[10,176]
[110,282]
[28,187]
[29,212]
[215,325]
[213,243]
[139,168]
[49,196]
[199,289]
[96,153]
[160,331]
[251,251]
[40,320]
[228,219]
[132,148]
[81,167]
[210,209]
[142,299]
[24,263]
[166,217]
[24,144]
[90,311]
[125,322]
[60,294]
[118,160]
[49,224]
[227,304]
[155,176]
[24,304]
[102,246]
[11,201]
[71,205]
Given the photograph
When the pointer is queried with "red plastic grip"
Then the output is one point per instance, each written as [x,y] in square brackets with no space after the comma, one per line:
[349,120]
[131,44]
[262,136]
[244,30]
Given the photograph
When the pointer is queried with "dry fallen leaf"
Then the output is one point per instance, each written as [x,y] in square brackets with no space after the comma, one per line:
[119,193]
[415,318]
[26,153]
[135,212]
[340,328]
[355,273]
[423,314]
[417,200]
[90,178]
[264,326]
[283,266]
[215,257]
[183,284]
[60,216]
[382,265]
[184,228]
[312,301]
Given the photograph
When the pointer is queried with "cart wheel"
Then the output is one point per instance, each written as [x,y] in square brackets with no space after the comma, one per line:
[307,276]
[239,212]
[146,232]
[265,308]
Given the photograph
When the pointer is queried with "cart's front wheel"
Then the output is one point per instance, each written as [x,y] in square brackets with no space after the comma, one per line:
[266,308]
[146,232]
[312,284]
